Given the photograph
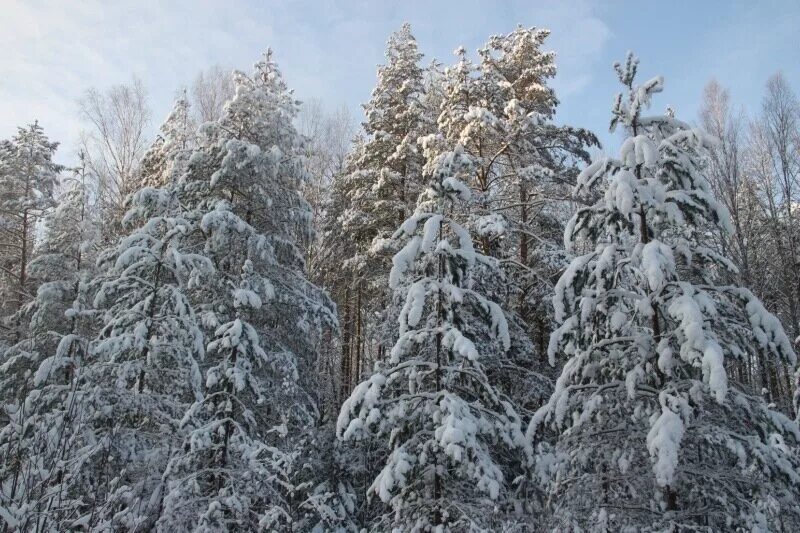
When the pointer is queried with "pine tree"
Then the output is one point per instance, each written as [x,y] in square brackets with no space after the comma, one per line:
[59,266]
[143,370]
[167,157]
[65,262]
[242,186]
[390,162]
[28,175]
[651,433]
[501,111]
[443,424]
[40,370]
[380,185]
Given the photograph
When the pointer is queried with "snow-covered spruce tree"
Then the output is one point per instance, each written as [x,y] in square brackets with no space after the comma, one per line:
[65,263]
[220,479]
[237,468]
[651,433]
[444,426]
[166,159]
[41,367]
[142,371]
[27,178]
[28,175]
[252,161]
[54,275]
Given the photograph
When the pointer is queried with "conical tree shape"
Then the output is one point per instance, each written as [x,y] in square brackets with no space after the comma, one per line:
[443,424]
[651,432]
[237,466]
[167,158]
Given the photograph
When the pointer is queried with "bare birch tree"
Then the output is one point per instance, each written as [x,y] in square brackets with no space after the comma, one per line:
[211,89]
[115,142]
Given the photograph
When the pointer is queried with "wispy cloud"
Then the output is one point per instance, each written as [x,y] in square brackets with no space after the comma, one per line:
[52,51]
[56,50]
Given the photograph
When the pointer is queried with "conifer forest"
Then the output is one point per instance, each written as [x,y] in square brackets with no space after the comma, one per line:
[454,313]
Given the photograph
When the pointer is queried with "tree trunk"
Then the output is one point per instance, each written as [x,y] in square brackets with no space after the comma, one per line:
[523,238]
[359,338]
[344,379]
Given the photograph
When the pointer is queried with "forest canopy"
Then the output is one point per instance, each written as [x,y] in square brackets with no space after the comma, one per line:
[460,315]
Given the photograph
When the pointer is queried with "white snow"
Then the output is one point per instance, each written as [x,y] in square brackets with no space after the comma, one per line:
[403,260]
[430,233]
[663,443]
[658,264]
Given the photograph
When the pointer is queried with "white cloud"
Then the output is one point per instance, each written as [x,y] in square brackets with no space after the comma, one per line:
[54,51]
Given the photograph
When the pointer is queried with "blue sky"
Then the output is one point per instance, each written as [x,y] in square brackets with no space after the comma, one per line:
[52,51]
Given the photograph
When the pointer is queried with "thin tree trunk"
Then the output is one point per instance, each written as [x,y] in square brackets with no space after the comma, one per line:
[437,489]
[359,338]
[344,379]
[523,237]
